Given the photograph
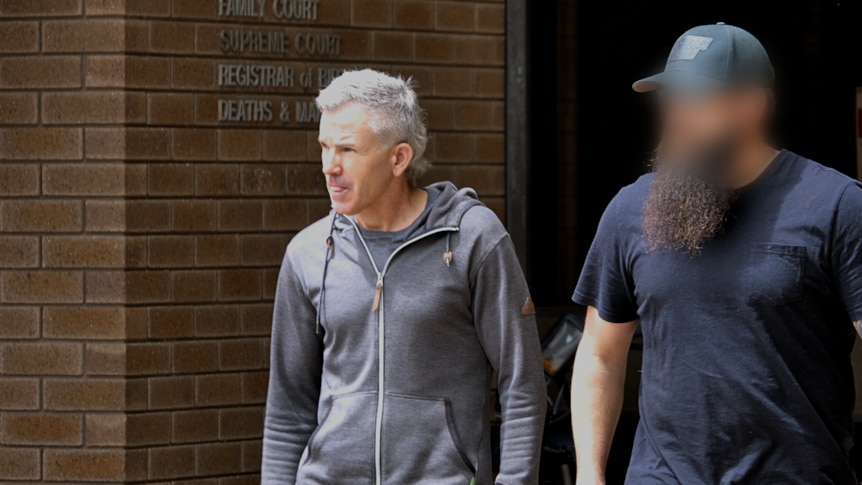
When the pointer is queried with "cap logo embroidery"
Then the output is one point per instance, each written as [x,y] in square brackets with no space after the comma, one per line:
[689,47]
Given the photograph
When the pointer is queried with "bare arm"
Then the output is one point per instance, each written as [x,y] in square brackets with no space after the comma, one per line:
[597,392]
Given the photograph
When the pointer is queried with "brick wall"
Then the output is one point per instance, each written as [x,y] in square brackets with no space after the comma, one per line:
[140,237]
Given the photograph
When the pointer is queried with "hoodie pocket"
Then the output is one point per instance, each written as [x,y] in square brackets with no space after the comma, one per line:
[341,449]
[421,444]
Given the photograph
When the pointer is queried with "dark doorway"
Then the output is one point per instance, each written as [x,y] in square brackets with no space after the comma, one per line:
[590,134]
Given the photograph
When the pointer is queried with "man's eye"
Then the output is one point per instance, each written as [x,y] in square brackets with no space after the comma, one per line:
[347,150]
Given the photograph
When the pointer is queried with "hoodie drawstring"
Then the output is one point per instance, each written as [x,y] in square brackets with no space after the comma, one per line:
[330,245]
[447,256]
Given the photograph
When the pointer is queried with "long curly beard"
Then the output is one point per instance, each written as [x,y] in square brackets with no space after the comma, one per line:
[686,205]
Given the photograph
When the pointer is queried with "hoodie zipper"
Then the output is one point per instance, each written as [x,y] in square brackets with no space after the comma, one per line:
[378,299]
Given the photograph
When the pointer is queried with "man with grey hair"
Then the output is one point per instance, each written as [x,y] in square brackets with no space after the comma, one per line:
[392,313]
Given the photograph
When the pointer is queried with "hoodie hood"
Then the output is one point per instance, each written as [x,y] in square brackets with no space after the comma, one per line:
[450,205]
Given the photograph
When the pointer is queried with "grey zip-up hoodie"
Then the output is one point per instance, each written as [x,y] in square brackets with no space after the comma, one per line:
[388,382]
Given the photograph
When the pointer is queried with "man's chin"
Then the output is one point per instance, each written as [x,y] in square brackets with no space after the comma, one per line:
[343,207]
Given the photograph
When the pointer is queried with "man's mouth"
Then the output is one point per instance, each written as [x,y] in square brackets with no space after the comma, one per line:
[337,189]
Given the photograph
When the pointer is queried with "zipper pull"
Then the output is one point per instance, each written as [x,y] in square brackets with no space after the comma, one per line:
[377,293]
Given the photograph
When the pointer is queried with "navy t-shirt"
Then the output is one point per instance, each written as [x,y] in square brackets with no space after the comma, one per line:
[746,364]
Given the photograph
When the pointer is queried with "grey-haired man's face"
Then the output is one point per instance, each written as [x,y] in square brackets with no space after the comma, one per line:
[356,162]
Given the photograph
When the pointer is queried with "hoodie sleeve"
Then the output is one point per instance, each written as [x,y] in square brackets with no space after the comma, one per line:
[294,380]
[506,325]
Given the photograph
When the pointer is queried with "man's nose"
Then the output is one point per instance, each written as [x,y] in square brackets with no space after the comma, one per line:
[331,164]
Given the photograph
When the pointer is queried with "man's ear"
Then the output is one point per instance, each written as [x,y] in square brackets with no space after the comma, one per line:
[402,156]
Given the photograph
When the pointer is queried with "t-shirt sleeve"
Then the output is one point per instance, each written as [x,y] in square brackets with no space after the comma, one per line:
[606,282]
[847,250]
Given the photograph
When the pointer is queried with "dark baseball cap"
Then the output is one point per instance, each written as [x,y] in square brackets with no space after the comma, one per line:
[711,57]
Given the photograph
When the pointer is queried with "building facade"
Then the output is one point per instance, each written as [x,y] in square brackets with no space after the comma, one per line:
[157,156]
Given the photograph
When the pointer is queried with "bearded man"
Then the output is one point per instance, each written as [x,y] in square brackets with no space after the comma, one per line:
[743,266]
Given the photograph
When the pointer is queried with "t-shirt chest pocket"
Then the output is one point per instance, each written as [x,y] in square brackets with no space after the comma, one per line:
[774,273]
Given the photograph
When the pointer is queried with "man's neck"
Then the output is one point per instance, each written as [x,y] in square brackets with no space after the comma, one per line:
[752,161]
[395,211]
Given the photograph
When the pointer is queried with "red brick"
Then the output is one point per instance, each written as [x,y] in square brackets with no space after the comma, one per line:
[148,429]
[83,252]
[42,216]
[478,115]
[106,286]
[171,392]
[18,322]
[456,16]
[270,282]
[216,321]
[41,143]
[453,82]
[148,216]
[193,73]
[263,249]
[251,455]
[18,108]
[42,287]
[171,109]
[194,144]
[284,146]
[40,8]
[91,35]
[84,179]
[220,179]
[86,394]
[487,180]
[19,463]
[217,250]
[490,148]
[256,319]
[218,458]
[106,429]
[254,387]
[41,359]
[147,286]
[18,394]
[218,389]
[195,215]
[491,18]
[195,426]
[104,107]
[263,179]
[236,354]
[128,143]
[171,37]
[434,48]
[171,251]
[44,72]
[170,179]
[392,46]
[414,14]
[19,179]
[149,8]
[195,357]
[128,71]
[102,323]
[318,209]
[305,179]
[171,322]
[284,214]
[241,423]
[240,215]
[41,429]
[88,464]
[372,13]
[171,462]
[105,215]
[240,284]
[194,286]
[19,252]
[19,36]
[239,145]
[484,50]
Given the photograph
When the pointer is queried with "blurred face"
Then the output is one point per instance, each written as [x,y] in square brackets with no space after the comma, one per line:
[359,167]
[695,164]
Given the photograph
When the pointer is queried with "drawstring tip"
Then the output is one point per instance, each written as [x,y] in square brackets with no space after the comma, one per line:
[317,328]
[447,258]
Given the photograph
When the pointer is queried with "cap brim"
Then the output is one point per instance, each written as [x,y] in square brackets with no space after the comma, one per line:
[677,81]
